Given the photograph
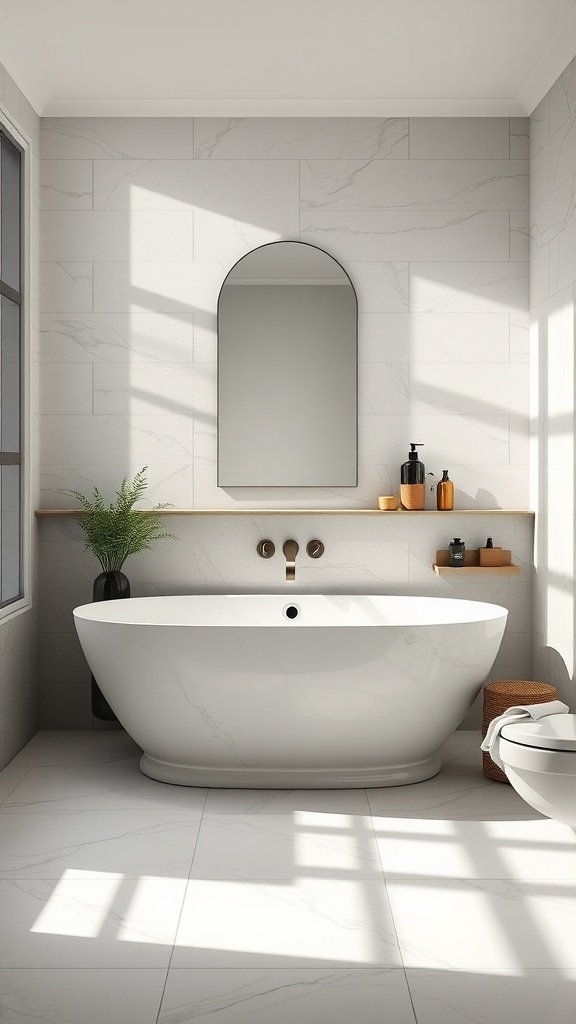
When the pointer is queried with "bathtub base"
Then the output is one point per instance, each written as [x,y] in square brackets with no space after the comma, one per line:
[287,778]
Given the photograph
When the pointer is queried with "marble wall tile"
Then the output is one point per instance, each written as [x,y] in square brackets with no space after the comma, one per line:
[142,236]
[433,337]
[62,660]
[116,338]
[307,138]
[66,286]
[519,235]
[459,138]
[116,138]
[490,388]
[409,235]
[382,438]
[519,138]
[66,389]
[147,388]
[381,287]
[160,287]
[468,287]
[117,439]
[414,185]
[172,483]
[66,184]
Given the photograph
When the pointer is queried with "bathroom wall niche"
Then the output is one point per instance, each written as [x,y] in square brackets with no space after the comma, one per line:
[287,370]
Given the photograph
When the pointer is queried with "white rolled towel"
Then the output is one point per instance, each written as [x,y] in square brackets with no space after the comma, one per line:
[491,742]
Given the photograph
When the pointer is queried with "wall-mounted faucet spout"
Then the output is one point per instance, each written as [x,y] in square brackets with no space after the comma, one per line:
[290,549]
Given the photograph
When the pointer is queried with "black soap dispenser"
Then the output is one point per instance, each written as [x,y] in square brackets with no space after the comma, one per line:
[412,477]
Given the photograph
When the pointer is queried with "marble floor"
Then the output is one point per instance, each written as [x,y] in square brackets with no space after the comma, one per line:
[124,901]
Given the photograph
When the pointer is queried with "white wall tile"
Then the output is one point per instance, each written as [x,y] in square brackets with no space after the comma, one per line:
[415,185]
[166,483]
[65,184]
[146,388]
[433,337]
[116,440]
[468,287]
[305,138]
[116,138]
[540,125]
[161,287]
[490,388]
[519,138]
[383,438]
[408,235]
[519,235]
[66,389]
[116,338]
[126,237]
[66,286]
[459,138]
[381,287]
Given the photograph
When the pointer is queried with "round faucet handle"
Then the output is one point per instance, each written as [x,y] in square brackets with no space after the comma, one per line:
[265,548]
[315,549]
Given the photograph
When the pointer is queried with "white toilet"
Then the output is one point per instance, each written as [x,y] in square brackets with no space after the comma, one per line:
[539,759]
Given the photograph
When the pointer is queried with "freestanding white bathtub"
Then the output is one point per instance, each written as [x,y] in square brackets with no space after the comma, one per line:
[352,691]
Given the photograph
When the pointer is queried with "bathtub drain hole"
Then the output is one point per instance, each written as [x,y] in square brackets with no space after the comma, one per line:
[291,611]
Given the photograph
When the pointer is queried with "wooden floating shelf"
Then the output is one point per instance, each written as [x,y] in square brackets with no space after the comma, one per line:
[475,570]
[43,513]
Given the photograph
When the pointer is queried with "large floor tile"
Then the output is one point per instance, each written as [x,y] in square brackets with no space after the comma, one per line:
[115,786]
[459,792]
[485,924]
[43,845]
[287,997]
[302,844]
[493,997]
[61,996]
[10,777]
[294,923]
[286,801]
[102,921]
[434,848]
[76,747]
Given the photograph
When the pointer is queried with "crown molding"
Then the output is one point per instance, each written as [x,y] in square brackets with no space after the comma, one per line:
[550,66]
[258,106]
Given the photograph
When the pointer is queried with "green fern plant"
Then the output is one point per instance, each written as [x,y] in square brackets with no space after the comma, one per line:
[116,531]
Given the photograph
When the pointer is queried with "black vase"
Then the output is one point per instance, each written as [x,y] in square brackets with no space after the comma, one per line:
[108,586]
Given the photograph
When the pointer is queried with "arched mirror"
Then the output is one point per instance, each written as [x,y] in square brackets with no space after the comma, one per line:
[287,370]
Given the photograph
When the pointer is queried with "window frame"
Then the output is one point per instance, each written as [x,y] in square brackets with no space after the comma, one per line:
[22,299]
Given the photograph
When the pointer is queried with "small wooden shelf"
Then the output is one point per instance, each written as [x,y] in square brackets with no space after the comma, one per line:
[476,570]
[472,565]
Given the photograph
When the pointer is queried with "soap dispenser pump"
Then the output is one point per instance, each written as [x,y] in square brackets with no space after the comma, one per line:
[412,481]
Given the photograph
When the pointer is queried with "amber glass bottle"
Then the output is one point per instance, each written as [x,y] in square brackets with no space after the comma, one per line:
[445,493]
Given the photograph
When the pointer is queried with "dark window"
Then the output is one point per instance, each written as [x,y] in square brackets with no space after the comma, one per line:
[10,372]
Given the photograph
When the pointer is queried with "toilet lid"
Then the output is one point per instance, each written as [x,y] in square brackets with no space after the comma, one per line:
[555,732]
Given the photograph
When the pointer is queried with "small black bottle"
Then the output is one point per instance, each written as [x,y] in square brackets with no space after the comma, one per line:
[456,552]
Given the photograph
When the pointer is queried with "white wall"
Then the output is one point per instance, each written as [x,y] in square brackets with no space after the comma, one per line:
[18,633]
[141,220]
[553,280]
[430,218]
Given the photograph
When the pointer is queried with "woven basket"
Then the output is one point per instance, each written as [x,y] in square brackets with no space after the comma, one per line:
[504,694]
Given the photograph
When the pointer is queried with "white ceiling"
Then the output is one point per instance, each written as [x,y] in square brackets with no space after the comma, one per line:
[286,57]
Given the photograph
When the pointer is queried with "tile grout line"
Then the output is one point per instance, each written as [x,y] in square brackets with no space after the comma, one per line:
[401,955]
[181,909]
